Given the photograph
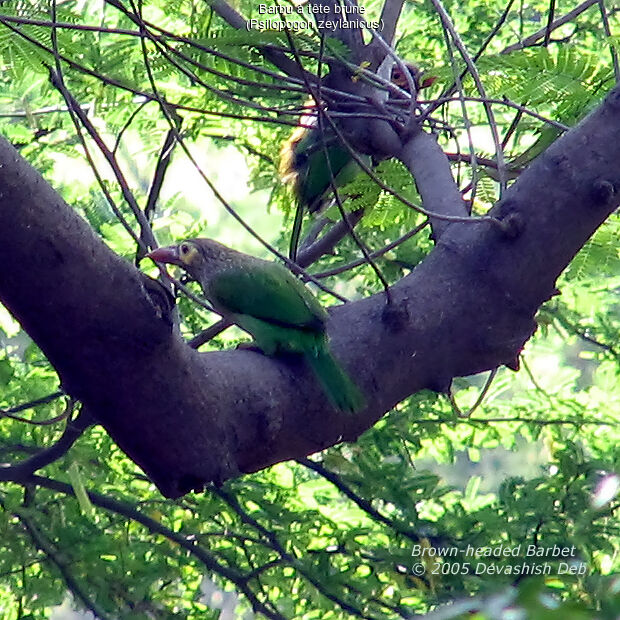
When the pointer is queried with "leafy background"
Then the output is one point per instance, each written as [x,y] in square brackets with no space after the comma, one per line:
[333,536]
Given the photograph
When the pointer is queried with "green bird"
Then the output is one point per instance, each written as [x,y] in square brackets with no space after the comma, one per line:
[314,160]
[268,302]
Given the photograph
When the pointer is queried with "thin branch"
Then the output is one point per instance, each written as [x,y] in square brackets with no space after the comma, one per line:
[500,22]
[232,501]
[74,430]
[77,114]
[481,395]
[532,39]
[548,29]
[359,501]
[8,413]
[471,66]
[326,244]
[185,542]
[612,47]
[44,545]
[360,261]
[572,328]
[390,14]
[577,422]
[510,104]
[161,166]
[208,334]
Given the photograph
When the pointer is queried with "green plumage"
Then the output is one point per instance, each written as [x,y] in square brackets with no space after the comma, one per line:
[313,161]
[268,302]
[313,158]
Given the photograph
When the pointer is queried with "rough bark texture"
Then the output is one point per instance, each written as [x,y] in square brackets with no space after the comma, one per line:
[188,418]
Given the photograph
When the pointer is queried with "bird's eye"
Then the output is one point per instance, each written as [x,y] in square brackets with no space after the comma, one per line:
[184,249]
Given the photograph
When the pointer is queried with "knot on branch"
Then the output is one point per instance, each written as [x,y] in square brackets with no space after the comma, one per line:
[395,315]
[602,192]
[512,225]
[613,99]
[161,299]
[560,162]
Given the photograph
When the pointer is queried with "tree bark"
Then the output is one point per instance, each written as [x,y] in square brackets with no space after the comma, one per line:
[189,418]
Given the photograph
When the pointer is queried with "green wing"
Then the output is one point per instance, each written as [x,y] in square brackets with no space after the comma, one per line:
[269,292]
[314,172]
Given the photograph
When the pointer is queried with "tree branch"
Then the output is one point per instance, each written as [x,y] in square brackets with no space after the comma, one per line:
[327,242]
[431,170]
[560,21]
[44,545]
[186,542]
[188,418]
[72,433]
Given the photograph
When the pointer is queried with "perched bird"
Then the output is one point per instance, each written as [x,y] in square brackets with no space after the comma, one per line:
[271,304]
[313,160]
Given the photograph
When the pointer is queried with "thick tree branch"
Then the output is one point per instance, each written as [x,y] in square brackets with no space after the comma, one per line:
[187,417]
[390,14]
[431,170]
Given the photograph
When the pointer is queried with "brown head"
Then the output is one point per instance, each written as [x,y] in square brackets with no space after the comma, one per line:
[420,79]
[200,258]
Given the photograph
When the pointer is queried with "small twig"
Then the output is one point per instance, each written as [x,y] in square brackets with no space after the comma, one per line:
[612,47]
[471,66]
[540,421]
[163,162]
[360,261]
[9,413]
[358,500]
[77,114]
[548,29]
[531,377]
[479,400]
[209,333]
[500,22]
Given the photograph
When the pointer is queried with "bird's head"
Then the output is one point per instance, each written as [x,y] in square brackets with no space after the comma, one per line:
[196,256]
[185,254]
[420,78]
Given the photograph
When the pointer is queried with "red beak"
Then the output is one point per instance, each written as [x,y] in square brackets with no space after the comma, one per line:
[169,254]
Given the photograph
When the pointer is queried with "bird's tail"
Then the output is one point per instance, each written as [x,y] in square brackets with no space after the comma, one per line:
[337,385]
[296,232]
